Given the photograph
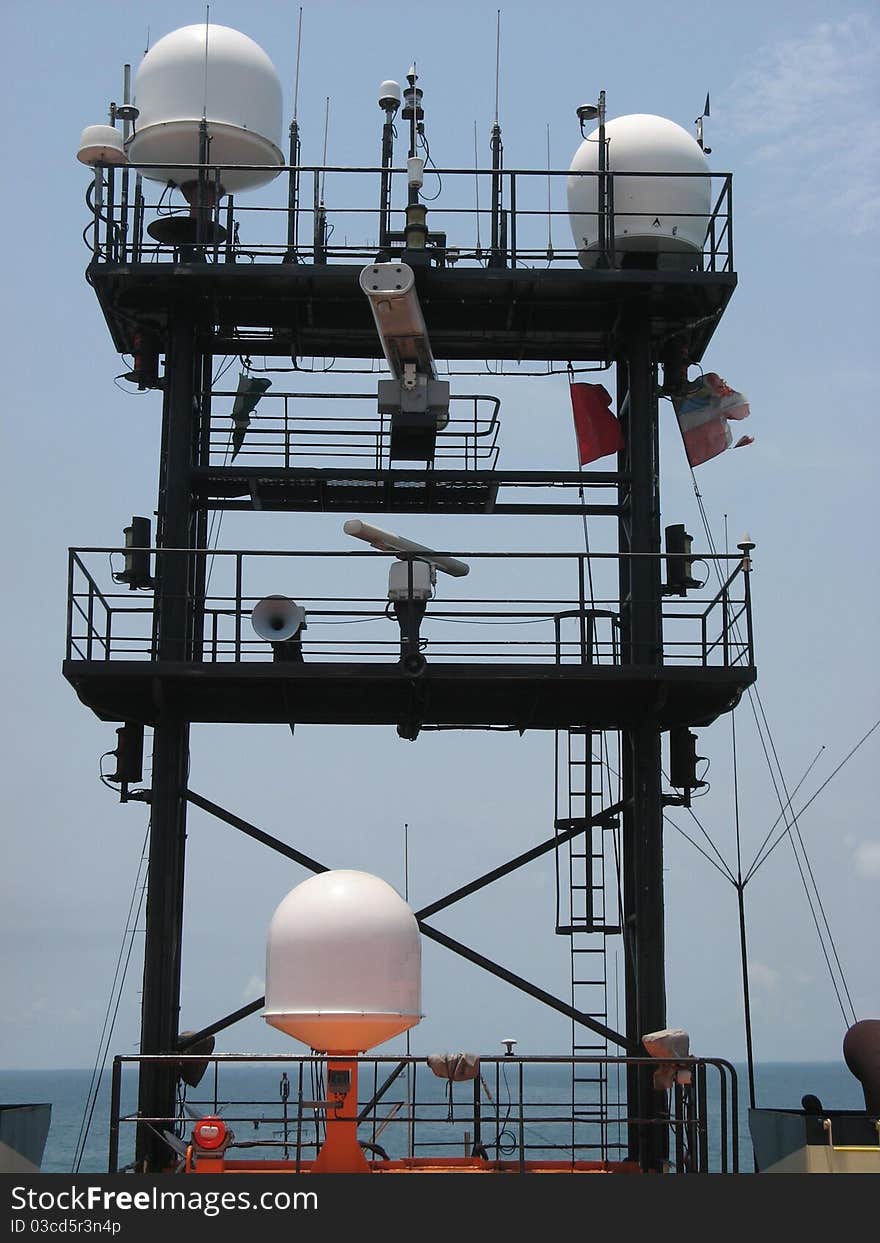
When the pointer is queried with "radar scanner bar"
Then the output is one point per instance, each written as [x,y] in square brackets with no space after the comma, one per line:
[387,541]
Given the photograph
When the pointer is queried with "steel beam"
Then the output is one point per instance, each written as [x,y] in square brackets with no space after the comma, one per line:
[160,1004]
[641,643]
[433,934]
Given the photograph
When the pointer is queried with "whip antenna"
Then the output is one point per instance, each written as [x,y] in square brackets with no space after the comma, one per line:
[205,95]
[299,31]
[497,61]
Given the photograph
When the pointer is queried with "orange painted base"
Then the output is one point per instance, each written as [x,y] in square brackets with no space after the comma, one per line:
[341,1153]
[436,1165]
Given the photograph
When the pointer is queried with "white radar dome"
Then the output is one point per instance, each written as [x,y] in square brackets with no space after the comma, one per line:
[101,144]
[343,963]
[227,78]
[664,216]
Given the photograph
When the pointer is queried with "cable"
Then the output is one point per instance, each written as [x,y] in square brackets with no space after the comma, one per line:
[758,861]
[117,986]
[792,829]
[430,198]
[509,1145]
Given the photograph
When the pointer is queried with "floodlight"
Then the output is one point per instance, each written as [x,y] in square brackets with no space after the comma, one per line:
[397,313]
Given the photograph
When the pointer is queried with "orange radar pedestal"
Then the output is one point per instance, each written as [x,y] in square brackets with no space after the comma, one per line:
[341,1152]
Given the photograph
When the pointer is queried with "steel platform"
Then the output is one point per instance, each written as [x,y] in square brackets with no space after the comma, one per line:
[476,314]
[520,696]
[309,489]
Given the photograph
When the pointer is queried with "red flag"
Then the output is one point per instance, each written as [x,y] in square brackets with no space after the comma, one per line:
[597,429]
[703,414]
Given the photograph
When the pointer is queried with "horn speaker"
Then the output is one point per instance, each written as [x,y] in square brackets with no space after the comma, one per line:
[277,619]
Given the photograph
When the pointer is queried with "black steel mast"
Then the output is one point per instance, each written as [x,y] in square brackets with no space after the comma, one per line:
[160,1007]
[500,311]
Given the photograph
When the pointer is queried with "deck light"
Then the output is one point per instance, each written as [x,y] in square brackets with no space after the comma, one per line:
[210,1133]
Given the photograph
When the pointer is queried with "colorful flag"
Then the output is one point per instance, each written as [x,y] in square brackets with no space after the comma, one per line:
[704,411]
[597,429]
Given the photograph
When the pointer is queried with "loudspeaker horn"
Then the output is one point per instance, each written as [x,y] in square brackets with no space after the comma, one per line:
[277,619]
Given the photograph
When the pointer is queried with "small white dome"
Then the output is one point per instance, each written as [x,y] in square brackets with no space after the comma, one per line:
[343,963]
[237,87]
[101,144]
[667,216]
[389,93]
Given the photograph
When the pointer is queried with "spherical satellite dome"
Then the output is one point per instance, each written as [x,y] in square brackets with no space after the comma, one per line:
[665,216]
[228,79]
[343,963]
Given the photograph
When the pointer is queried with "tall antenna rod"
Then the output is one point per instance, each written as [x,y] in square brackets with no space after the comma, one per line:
[299,30]
[319,213]
[498,247]
[497,61]
[204,150]
[326,132]
[549,205]
[294,148]
[205,97]
[477,190]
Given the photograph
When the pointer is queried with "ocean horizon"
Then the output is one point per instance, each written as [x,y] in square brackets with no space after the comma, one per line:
[777,1084]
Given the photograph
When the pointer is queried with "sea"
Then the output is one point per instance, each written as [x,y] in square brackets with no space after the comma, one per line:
[252,1100]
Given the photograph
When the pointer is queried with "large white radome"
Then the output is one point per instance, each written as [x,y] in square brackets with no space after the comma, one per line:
[667,216]
[240,94]
[343,963]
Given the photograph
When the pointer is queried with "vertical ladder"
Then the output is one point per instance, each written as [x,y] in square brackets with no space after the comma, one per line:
[587,913]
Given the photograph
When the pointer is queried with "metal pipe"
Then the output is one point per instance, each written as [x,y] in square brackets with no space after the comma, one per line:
[603,186]
[115,1106]
[138,222]
[293,174]
[497,257]
[126,172]
[747,1008]
[385,181]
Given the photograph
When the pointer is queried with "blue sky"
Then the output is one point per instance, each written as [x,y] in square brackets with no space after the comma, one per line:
[795,118]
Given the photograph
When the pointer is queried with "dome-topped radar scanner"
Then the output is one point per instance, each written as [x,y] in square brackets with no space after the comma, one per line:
[343,963]
[658,221]
[101,144]
[215,73]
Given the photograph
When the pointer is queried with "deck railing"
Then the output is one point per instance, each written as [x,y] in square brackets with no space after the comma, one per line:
[319,215]
[517,1111]
[572,614]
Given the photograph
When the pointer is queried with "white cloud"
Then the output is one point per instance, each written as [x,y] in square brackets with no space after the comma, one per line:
[866,857]
[809,106]
[763,977]
[254,988]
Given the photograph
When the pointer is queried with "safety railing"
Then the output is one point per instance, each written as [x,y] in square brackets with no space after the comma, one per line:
[514,1115]
[333,214]
[572,613]
[291,429]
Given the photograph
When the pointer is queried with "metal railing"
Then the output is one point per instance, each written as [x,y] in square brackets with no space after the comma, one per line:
[516,1114]
[334,216]
[287,430]
[573,617]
